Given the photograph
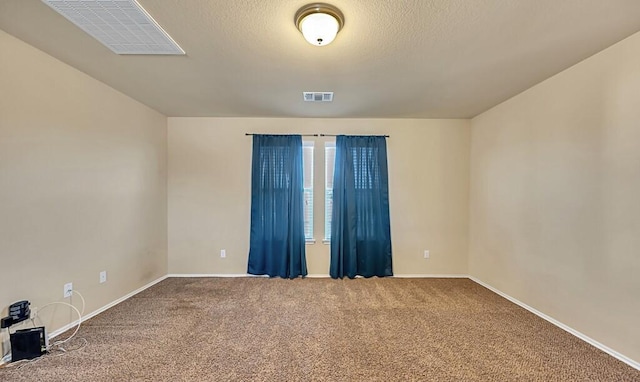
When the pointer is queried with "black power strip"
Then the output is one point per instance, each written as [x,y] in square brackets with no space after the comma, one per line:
[6,322]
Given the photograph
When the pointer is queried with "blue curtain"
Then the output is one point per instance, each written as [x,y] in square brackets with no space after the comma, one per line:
[360,227]
[277,244]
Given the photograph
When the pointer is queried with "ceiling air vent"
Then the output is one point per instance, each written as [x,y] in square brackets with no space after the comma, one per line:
[121,25]
[318,96]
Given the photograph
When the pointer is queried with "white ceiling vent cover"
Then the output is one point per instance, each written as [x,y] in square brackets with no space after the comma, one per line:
[121,25]
[318,96]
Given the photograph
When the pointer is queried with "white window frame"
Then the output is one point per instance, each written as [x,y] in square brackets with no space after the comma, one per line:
[329,166]
[308,191]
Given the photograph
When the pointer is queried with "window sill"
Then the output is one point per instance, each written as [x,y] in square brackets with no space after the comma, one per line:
[309,241]
[325,241]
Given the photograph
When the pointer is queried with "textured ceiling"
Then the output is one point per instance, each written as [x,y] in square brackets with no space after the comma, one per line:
[393,59]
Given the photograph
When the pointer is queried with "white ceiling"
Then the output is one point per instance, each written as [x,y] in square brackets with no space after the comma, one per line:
[393,58]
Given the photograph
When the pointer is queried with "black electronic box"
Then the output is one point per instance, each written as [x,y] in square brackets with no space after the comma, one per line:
[28,343]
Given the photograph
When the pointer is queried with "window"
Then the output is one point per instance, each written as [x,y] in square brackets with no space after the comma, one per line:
[307,164]
[329,159]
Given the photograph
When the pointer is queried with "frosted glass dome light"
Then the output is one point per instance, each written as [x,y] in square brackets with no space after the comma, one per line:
[319,23]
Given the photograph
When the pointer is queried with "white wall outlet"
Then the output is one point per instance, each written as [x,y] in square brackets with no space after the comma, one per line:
[426,253]
[223,253]
[103,277]
[68,290]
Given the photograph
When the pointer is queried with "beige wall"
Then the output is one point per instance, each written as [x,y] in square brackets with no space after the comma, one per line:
[550,218]
[210,195]
[82,185]
[555,197]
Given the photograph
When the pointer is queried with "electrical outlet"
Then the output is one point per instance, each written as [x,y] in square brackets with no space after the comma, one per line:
[103,277]
[426,254]
[68,290]
[223,253]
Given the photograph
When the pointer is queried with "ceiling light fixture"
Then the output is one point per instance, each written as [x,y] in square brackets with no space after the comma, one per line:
[319,23]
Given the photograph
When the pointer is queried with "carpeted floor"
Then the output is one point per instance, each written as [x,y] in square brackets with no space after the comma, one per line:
[258,329]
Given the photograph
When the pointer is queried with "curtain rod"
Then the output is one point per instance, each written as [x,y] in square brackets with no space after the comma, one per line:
[302,135]
[319,135]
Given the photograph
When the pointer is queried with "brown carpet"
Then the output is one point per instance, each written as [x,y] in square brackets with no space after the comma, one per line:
[258,329]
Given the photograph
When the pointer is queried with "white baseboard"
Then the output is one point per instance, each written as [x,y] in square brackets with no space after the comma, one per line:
[229,275]
[319,275]
[585,338]
[402,276]
[430,276]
